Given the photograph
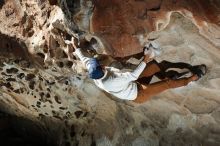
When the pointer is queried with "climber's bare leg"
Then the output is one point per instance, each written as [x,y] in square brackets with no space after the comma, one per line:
[147,91]
[151,69]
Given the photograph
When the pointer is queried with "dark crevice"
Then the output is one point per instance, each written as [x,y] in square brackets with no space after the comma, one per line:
[12,70]
[41,55]
[12,47]
[78,114]
[65,55]
[157,8]
[31,85]
[19,131]
[2,2]
[73,6]
[60,64]
[29,77]
[21,75]
[53,2]
[69,64]
[57,99]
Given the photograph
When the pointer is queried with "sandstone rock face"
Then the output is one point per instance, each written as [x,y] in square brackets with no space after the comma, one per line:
[125,25]
[45,92]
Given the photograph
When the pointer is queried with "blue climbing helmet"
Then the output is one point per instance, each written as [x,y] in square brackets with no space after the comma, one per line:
[95,69]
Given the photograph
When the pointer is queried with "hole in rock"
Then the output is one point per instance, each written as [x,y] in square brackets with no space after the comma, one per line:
[74,57]
[69,64]
[52,53]
[31,33]
[68,36]
[41,94]
[65,55]
[48,89]
[85,114]
[21,75]
[66,82]
[62,108]
[24,64]
[31,85]
[12,70]
[45,49]
[93,41]
[48,95]
[29,77]
[156,8]
[7,85]
[38,103]
[48,25]
[53,2]
[60,64]
[51,83]
[6,74]
[78,114]
[10,80]
[17,91]
[11,47]
[73,6]
[57,99]
[41,55]
[57,44]
[55,31]
[48,14]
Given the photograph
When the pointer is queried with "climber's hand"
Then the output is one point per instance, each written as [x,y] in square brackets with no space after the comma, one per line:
[75,43]
[147,58]
[148,54]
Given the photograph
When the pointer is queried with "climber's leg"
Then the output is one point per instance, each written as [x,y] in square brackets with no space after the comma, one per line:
[164,65]
[151,69]
[159,70]
[146,91]
[172,74]
[144,80]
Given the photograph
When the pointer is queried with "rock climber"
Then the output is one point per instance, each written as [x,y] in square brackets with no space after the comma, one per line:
[135,85]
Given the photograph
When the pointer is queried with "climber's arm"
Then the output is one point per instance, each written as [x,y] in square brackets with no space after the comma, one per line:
[134,75]
[81,56]
[78,52]
[84,59]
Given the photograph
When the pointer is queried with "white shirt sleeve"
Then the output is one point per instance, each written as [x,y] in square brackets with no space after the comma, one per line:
[134,75]
[130,76]
[84,59]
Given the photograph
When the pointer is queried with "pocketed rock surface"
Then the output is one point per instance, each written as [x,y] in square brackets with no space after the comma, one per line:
[46,97]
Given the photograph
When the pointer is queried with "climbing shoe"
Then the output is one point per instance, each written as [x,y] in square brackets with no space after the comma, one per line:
[199,70]
[174,75]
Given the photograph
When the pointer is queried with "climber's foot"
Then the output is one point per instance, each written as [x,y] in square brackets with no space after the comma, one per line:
[194,78]
[174,75]
[199,70]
